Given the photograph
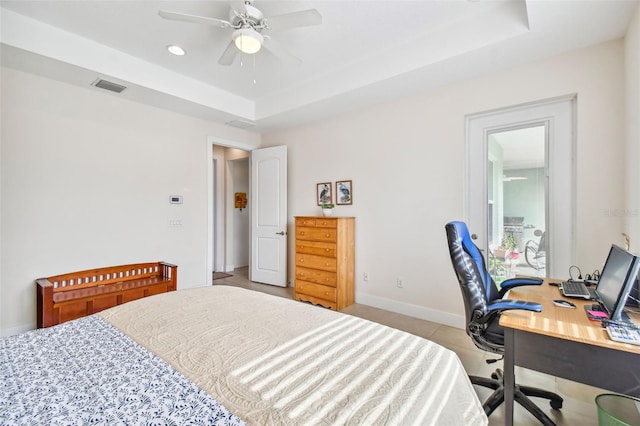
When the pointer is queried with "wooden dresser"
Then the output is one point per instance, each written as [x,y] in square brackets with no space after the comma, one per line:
[325,261]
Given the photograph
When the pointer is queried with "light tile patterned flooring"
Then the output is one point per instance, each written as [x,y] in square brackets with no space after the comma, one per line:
[579,407]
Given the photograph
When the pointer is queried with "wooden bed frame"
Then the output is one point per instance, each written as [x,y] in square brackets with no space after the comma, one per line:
[77,294]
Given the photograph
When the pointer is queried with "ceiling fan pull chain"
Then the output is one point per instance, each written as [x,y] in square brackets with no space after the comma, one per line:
[254,70]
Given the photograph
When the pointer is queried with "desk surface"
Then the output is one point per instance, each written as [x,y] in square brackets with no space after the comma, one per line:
[565,323]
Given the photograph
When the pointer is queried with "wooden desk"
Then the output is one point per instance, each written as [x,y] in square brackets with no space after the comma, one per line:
[565,343]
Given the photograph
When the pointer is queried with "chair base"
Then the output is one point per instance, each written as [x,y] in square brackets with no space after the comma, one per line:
[521,396]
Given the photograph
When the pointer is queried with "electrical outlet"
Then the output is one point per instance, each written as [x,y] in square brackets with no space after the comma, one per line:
[365,276]
[400,282]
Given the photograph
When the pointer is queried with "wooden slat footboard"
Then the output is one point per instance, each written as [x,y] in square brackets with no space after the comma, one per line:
[73,295]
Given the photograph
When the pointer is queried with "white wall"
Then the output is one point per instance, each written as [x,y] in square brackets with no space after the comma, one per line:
[632,89]
[406,160]
[86,179]
[83,171]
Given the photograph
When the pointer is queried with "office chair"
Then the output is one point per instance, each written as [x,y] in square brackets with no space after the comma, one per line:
[534,252]
[483,304]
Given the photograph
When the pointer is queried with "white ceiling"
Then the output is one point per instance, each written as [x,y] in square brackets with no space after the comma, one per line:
[363,52]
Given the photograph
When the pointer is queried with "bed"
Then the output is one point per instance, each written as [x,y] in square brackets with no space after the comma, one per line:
[229,356]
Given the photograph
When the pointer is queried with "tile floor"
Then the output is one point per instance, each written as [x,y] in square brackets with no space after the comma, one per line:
[579,406]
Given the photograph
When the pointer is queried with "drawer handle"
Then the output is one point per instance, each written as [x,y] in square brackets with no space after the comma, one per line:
[301,260]
[326,264]
[301,232]
[326,235]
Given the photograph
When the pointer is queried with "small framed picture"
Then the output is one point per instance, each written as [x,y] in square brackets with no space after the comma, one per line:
[323,193]
[344,192]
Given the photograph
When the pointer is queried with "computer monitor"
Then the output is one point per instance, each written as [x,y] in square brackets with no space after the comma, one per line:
[616,280]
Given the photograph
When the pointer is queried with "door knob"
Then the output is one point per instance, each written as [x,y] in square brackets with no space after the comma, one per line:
[474,237]
[281,233]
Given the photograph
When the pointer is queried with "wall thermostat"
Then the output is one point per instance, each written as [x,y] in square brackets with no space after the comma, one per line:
[175,199]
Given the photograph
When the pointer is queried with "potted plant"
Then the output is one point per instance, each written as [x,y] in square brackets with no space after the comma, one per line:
[327,209]
[509,243]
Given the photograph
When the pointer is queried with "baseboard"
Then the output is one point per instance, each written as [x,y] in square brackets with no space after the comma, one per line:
[452,320]
[229,268]
[19,329]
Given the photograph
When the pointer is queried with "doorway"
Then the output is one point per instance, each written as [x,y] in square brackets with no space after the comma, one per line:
[229,239]
[527,196]
[267,188]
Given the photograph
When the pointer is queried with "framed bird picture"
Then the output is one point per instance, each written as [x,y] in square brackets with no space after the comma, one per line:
[344,192]
[323,193]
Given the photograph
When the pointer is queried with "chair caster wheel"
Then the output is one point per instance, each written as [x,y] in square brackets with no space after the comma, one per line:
[556,405]
[494,376]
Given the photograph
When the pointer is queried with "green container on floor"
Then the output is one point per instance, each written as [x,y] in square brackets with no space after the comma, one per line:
[618,410]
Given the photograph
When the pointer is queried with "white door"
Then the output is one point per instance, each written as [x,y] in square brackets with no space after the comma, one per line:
[557,117]
[269,216]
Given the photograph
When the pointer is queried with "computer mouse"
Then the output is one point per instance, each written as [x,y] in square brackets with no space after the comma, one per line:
[563,303]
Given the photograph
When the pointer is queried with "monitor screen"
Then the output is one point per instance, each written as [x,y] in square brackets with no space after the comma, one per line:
[617,278]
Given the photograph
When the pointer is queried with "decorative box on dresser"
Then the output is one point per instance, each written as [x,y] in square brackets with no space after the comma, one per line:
[325,261]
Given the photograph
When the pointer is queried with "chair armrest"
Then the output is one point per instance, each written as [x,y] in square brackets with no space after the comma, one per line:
[508,304]
[517,282]
[500,305]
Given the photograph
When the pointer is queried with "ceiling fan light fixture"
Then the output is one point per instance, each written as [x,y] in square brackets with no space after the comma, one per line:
[248,40]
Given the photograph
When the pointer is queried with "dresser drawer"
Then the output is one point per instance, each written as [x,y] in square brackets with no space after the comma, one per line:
[316,262]
[316,234]
[305,221]
[326,223]
[316,276]
[316,247]
[316,290]
[317,222]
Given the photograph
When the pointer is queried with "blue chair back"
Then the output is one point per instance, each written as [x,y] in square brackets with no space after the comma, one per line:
[477,286]
[463,237]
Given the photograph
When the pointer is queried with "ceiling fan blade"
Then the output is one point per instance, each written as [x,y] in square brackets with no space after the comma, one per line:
[176,16]
[280,52]
[303,18]
[229,54]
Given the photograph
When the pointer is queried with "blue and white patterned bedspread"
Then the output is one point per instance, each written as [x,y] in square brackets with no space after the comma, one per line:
[88,372]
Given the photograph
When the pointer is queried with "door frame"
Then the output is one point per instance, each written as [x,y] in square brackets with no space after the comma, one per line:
[560,172]
[211,241]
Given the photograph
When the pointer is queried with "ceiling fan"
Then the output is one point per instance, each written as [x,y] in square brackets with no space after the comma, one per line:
[248,22]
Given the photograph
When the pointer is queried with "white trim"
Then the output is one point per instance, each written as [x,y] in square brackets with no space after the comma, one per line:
[18,329]
[214,140]
[559,117]
[440,317]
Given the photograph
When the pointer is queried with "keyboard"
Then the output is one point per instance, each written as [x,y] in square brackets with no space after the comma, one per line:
[574,289]
[623,333]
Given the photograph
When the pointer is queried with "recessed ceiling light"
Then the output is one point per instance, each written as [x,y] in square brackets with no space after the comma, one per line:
[175,50]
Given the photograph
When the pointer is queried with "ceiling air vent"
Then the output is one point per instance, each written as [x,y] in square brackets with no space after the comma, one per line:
[108,85]
[240,124]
